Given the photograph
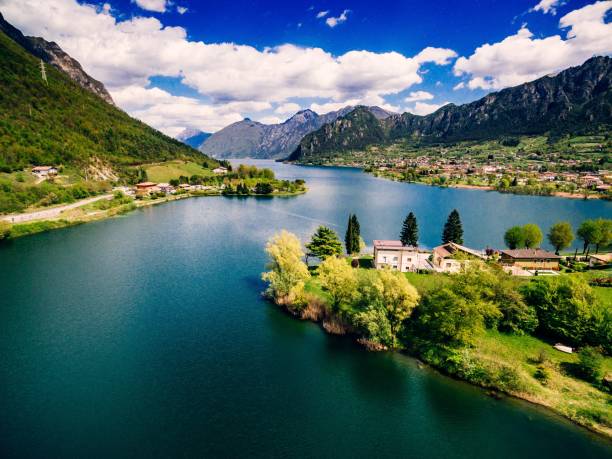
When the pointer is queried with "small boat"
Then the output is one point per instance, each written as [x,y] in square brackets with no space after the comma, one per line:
[563,348]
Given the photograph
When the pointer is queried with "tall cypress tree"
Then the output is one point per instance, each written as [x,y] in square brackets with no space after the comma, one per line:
[453,230]
[410,231]
[356,234]
[348,237]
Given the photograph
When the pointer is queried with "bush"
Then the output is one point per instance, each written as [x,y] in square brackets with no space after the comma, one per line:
[542,374]
[5,230]
[589,365]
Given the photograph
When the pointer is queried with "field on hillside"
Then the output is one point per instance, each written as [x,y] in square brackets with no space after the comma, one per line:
[174,169]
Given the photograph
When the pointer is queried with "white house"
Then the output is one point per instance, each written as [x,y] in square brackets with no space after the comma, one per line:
[220,170]
[44,171]
[396,256]
[451,257]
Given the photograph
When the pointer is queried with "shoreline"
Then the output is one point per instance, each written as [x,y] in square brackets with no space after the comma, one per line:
[335,325]
[556,194]
[31,227]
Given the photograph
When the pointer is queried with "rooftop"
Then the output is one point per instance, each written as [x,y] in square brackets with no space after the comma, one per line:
[382,244]
[529,253]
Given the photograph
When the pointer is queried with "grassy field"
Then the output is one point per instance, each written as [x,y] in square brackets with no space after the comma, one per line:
[572,397]
[160,173]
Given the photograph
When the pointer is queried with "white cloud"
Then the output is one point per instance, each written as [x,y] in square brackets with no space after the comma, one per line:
[334,21]
[322,14]
[522,57]
[424,108]
[547,6]
[127,53]
[418,95]
[171,114]
[159,6]
[287,109]
[270,120]
[458,86]
[181,9]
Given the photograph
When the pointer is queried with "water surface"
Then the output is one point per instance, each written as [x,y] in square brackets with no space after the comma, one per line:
[146,335]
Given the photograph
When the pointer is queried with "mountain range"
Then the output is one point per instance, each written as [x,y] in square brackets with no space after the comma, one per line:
[193,137]
[68,118]
[576,100]
[252,139]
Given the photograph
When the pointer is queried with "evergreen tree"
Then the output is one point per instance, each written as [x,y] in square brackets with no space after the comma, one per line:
[324,243]
[453,230]
[410,231]
[348,237]
[352,236]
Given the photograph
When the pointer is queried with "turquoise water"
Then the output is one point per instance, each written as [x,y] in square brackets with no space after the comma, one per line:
[146,335]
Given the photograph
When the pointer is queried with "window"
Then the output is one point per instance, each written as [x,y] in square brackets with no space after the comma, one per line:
[385,259]
[394,266]
[394,258]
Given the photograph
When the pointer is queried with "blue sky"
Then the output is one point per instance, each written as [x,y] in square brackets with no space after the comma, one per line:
[202,64]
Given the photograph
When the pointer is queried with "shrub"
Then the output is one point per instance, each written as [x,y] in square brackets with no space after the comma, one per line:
[5,230]
[589,364]
[542,374]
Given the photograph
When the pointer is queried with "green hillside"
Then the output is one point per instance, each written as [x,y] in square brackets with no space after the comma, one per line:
[60,123]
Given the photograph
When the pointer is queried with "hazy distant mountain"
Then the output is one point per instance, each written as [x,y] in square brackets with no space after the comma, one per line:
[51,53]
[193,137]
[575,100]
[249,138]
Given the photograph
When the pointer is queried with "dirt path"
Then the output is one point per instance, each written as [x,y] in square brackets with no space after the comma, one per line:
[53,212]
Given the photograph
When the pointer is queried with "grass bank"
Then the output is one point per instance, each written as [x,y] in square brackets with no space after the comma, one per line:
[519,365]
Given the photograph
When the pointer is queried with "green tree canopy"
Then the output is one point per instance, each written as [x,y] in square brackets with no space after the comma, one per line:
[410,231]
[515,238]
[560,236]
[453,229]
[339,280]
[533,235]
[604,236]
[589,232]
[324,243]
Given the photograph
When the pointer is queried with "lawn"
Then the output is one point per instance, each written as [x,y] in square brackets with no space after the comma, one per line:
[164,172]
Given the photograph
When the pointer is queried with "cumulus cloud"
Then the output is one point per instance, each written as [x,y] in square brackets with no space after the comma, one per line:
[125,54]
[334,21]
[522,57]
[424,108]
[159,6]
[547,6]
[418,95]
[171,114]
[322,14]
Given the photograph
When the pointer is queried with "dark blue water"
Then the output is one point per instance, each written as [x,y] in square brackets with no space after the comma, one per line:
[146,335]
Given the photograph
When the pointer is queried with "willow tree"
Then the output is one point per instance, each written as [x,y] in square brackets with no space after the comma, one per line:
[287,273]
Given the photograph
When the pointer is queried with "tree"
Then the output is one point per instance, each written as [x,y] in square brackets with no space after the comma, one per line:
[324,243]
[398,298]
[588,232]
[533,235]
[604,236]
[453,230]
[339,280]
[515,238]
[560,236]
[263,188]
[410,231]
[352,236]
[568,310]
[288,272]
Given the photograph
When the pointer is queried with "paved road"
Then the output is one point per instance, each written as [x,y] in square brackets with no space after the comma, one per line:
[52,213]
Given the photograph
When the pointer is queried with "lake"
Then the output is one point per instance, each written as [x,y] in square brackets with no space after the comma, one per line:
[146,335]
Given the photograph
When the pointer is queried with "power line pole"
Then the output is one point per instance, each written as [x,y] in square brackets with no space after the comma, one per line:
[43,73]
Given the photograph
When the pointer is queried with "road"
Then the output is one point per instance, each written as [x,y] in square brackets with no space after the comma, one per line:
[53,212]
